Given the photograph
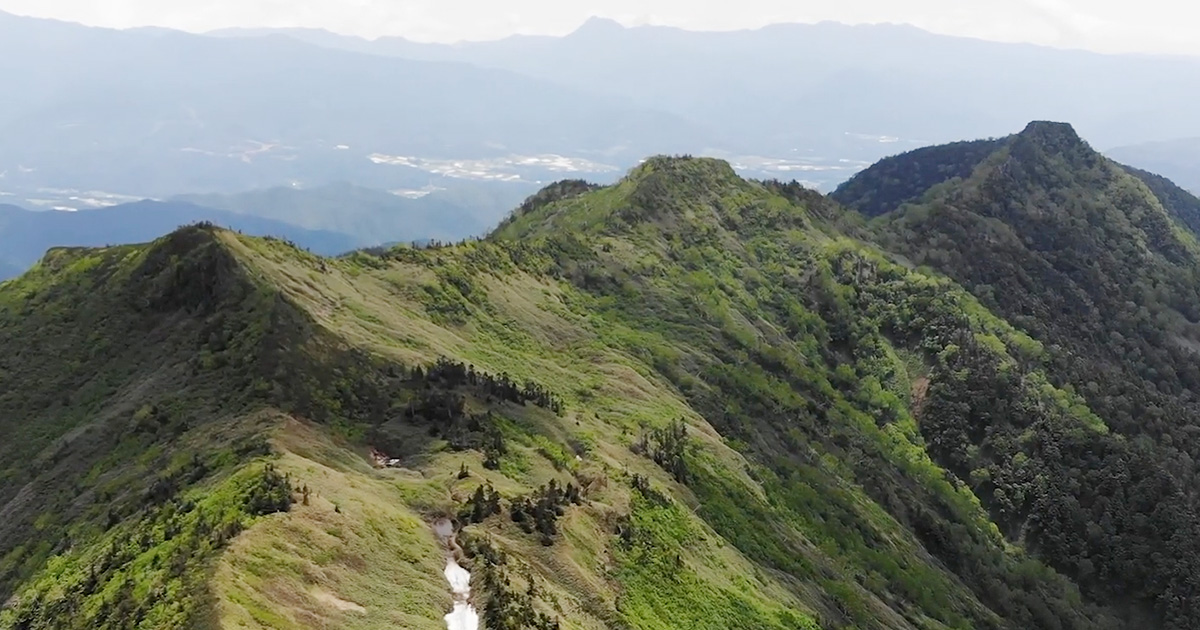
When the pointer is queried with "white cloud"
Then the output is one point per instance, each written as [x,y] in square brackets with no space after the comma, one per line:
[1104,25]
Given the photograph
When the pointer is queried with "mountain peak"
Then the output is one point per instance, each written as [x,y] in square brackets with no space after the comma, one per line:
[596,25]
[1052,136]
[1047,130]
[906,178]
[1045,143]
[666,186]
[191,269]
[684,166]
[1049,127]
[662,189]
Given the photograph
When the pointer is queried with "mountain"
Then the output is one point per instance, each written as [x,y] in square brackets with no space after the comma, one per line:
[377,216]
[315,36]
[25,235]
[813,95]
[1182,205]
[155,113]
[1099,263]
[684,400]
[1177,159]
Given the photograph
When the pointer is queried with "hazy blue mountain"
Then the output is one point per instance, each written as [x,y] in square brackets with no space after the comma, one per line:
[154,112]
[314,36]
[258,108]
[377,216]
[25,235]
[1178,160]
[842,92]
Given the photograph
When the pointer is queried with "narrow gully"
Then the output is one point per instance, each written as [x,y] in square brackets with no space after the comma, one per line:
[463,616]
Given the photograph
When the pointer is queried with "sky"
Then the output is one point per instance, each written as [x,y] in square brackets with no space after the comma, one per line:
[1144,26]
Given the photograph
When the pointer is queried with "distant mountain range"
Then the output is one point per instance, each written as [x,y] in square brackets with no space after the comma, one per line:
[829,92]
[1178,160]
[25,235]
[320,126]
[328,220]
[157,113]
[376,216]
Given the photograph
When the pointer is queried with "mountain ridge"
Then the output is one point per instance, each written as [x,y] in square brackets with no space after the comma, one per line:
[858,57]
[554,100]
[601,24]
[682,400]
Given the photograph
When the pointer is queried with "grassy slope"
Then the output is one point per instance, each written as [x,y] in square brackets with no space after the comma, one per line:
[806,497]
[112,424]
[531,335]
[491,304]
[356,556]
[715,271]
[136,446]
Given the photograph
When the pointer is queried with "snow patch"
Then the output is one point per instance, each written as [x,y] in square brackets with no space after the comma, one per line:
[463,616]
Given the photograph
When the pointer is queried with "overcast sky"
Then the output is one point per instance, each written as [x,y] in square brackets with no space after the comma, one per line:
[1153,26]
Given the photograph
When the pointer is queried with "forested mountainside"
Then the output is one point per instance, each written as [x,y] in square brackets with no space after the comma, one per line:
[1099,263]
[1181,204]
[685,400]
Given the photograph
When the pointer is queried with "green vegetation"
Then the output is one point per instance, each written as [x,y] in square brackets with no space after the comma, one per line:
[148,571]
[684,400]
[1099,264]
[664,591]
[892,183]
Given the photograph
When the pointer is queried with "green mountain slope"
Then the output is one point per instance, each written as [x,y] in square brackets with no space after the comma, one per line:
[1099,263]
[895,182]
[1182,205]
[682,401]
